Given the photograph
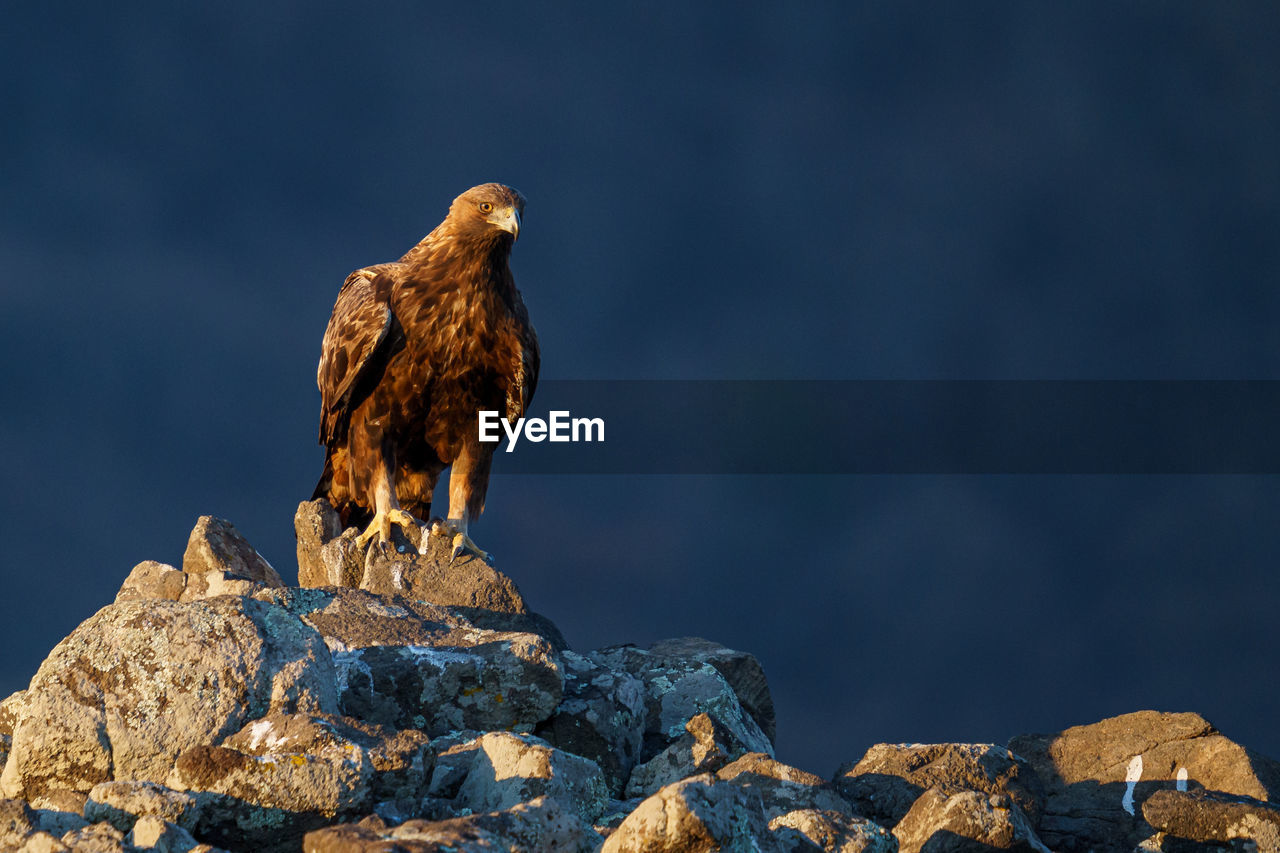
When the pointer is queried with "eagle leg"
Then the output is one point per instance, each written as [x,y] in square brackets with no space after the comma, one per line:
[380,527]
[457,534]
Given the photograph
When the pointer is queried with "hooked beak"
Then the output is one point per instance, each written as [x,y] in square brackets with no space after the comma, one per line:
[508,220]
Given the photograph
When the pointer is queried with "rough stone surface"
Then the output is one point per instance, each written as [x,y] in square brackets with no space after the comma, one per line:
[741,669]
[150,579]
[537,826]
[886,781]
[96,838]
[782,788]
[691,816]
[1209,816]
[832,832]
[705,747]
[216,546]
[141,681]
[43,842]
[314,525]
[500,769]
[675,692]
[965,820]
[152,833]
[10,708]
[1085,769]
[122,803]
[17,821]
[601,717]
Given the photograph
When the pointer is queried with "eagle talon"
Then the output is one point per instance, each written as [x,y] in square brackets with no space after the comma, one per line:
[380,527]
[460,541]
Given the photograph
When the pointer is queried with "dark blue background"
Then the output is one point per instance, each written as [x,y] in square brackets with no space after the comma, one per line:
[716,190]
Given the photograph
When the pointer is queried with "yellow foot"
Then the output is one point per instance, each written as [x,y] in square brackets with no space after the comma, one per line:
[380,527]
[460,540]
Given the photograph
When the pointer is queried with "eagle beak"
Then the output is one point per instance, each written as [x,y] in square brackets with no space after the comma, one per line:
[509,220]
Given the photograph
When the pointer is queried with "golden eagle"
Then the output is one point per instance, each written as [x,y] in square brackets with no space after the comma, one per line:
[413,351]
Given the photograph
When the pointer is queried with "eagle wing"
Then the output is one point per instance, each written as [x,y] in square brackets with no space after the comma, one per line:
[524,379]
[356,347]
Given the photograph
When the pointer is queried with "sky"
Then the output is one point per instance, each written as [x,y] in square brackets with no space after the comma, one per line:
[843,191]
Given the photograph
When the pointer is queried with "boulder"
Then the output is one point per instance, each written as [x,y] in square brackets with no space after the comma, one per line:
[152,580]
[695,815]
[216,546]
[141,681]
[96,838]
[781,788]
[152,833]
[601,717]
[965,821]
[885,782]
[1209,817]
[742,670]
[705,747]
[533,827]
[316,524]
[123,803]
[676,690]
[43,842]
[17,821]
[499,770]
[832,832]
[1097,776]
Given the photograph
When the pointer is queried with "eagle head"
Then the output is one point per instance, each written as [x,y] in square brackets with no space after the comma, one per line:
[487,211]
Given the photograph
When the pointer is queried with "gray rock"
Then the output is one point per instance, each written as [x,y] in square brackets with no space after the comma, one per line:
[695,815]
[216,546]
[705,747]
[152,833]
[537,826]
[601,717]
[675,692]
[742,670]
[315,524]
[141,681]
[501,769]
[832,832]
[1209,816]
[122,803]
[1085,769]
[781,788]
[965,821]
[886,781]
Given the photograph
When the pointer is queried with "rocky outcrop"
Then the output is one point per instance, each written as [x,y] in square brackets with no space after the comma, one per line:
[397,701]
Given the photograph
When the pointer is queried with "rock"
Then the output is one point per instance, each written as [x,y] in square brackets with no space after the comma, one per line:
[782,788]
[59,821]
[691,816]
[152,833]
[123,803]
[43,842]
[675,692]
[971,821]
[315,524]
[141,681]
[17,821]
[152,580]
[742,670]
[886,781]
[833,832]
[1087,770]
[1209,817]
[10,709]
[533,827]
[97,838]
[705,747]
[601,717]
[216,546]
[501,769]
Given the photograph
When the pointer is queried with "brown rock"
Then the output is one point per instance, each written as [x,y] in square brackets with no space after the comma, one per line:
[17,821]
[150,579]
[122,803]
[965,821]
[1209,816]
[782,788]
[885,782]
[97,838]
[1086,770]
[832,832]
[315,524]
[705,747]
[695,815]
[216,546]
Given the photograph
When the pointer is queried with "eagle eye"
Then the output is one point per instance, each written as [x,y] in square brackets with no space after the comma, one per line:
[485,207]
